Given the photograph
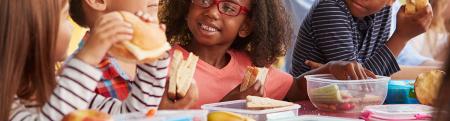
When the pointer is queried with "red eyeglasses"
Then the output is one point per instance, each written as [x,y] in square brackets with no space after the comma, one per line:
[224,7]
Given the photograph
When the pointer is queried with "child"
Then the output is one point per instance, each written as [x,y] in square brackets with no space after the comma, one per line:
[116,74]
[356,30]
[31,32]
[229,36]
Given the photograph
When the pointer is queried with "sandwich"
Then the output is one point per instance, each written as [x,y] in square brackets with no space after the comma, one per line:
[259,103]
[412,6]
[181,74]
[253,74]
[427,86]
[149,42]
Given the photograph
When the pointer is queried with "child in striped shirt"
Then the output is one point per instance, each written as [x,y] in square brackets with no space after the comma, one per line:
[117,76]
[356,31]
[31,44]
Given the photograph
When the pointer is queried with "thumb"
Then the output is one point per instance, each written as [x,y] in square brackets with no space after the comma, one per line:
[312,64]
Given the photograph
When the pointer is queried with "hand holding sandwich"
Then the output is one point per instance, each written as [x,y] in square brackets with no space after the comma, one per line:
[109,29]
[236,94]
[183,103]
[409,25]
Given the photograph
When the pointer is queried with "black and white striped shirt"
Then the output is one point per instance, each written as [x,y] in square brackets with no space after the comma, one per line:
[331,33]
[75,91]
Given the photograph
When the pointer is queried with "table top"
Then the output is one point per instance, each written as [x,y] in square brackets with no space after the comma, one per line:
[309,109]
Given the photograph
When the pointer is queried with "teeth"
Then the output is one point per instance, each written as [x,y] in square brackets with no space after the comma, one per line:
[208,28]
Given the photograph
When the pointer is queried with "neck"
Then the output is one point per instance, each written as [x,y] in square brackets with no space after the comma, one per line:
[214,55]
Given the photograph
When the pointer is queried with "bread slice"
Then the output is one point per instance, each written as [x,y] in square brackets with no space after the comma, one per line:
[175,64]
[186,74]
[181,74]
[253,74]
[427,86]
[254,102]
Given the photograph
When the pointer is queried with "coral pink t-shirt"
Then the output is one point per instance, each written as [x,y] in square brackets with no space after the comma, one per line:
[214,83]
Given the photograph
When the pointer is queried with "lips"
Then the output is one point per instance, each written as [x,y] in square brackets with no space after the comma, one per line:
[358,5]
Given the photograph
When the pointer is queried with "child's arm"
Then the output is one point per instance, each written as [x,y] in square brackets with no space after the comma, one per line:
[74,91]
[409,26]
[146,90]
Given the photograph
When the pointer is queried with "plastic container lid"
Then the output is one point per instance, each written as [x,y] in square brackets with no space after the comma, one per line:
[319,118]
[397,112]
[238,106]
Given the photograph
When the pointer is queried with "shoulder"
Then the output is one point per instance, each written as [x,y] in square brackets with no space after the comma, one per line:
[329,10]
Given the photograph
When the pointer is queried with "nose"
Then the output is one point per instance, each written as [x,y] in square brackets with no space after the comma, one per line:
[212,12]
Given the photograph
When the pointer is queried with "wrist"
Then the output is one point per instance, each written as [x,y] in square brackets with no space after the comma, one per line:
[89,59]
[400,37]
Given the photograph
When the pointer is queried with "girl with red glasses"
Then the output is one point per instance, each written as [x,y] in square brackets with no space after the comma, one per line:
[228,36]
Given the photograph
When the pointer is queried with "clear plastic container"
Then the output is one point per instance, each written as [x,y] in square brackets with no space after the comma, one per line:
[397,112]
[239,107]
[349,96]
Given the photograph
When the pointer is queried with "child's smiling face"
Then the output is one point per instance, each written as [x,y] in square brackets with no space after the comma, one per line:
[362,8]
[209,27]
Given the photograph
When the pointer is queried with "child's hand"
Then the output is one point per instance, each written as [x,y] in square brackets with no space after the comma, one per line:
[183,103]
[255,90]
[342,70]
[109,29]
[411,25]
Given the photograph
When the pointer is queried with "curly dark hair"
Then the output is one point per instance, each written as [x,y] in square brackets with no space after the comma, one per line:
[269,39]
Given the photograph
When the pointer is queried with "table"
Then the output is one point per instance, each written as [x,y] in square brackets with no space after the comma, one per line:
[307,108]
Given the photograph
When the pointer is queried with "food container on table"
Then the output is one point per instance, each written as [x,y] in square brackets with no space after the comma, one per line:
[165,115]
[397,112]
[401,92]
[239,107]
[349,96]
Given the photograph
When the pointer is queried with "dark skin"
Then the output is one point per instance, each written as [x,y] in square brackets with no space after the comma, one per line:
[408,26]
[211,47]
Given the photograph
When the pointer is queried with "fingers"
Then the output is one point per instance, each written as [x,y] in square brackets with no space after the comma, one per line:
[190,98]
[370,74]
[351,71]
[116,31]
[312,64]
[254,89]
[147,17]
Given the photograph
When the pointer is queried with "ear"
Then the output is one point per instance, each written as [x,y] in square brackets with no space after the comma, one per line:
[246,29]
[99,5]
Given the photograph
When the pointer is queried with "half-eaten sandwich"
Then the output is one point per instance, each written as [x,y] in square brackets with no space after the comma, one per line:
[181,74]
[149,42]
[253,74]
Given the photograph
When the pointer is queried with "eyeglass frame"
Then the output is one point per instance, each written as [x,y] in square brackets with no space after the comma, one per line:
[242,9]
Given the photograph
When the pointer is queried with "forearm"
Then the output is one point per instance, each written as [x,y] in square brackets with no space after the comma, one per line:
[298,90]
[396,43]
